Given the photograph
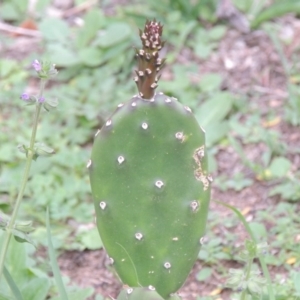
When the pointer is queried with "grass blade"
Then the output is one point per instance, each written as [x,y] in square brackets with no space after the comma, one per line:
[14,288]
[54,265]
[261,260]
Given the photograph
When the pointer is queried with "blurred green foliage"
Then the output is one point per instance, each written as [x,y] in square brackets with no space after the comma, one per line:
[94,52]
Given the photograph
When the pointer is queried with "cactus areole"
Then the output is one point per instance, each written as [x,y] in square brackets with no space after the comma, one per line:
[148,173]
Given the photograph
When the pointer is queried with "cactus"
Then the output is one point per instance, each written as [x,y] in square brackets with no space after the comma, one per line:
[148,173]
[143,294]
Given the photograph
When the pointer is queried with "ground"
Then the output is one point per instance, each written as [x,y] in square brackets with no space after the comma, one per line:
[250,65]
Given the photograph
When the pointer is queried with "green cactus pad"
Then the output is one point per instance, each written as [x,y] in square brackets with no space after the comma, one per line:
[151,190]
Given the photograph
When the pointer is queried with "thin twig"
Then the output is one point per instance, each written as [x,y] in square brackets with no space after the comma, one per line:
[19,30]
[77,9]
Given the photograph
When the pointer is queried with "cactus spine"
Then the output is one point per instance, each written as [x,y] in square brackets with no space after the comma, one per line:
[149,180]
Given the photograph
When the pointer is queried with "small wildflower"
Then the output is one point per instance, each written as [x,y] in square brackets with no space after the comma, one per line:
[41,99]
[25,97]
[37,65]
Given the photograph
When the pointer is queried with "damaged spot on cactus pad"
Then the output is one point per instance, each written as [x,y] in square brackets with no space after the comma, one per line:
[89,163]
[167,265]
[133,104]
[187,109]
[102,205]
[195,205]
[180,136]
[198,173]
[201,177]
[151,288]
[108,123]
[159,184]
[129,291]
[120,105]
[209,178]
[200,152]
[138,236]
[168,100]
[121,159]
[175,239]
[144,125]
[98,131]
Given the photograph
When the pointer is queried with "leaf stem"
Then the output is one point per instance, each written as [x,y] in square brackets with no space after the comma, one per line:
[30,157]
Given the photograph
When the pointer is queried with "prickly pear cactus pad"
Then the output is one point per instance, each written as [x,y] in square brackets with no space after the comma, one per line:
[151,190]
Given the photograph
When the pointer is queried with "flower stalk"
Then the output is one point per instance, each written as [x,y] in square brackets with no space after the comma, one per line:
[42,70]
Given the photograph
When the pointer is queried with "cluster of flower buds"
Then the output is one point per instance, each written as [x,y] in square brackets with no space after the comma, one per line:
[45,70]
[149,62]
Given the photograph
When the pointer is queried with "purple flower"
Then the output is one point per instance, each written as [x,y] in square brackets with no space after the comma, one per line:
[25,97]
[41,99]
[37,65]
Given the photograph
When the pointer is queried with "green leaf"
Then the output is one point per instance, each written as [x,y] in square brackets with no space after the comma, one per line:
[202,50]
[14,288]
[54,29]
[93,21]
[215,132]
[91,239]
[36,289]
[215,109]
[204,274]
[91,57]
[78,294]
[276,10]
[296,280]
[279,167]
[54,264]
[114,34]
[217,32]
[259,230]
[62,55]
[210,82]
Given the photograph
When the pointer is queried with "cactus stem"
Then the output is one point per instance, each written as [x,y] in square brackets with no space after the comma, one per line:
[89,163]
[149,63]
[102,205]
